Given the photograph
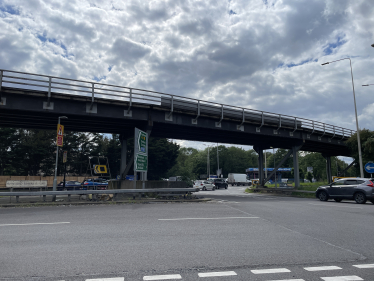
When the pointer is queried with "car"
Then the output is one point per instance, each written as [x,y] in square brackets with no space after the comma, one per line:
[204,185]
[70,185]
[98,184]
[358,189]
[220,183]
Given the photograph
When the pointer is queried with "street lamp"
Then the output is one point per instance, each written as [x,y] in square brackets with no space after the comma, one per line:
[208,161]
[55,179]
[218,160]
[358,129]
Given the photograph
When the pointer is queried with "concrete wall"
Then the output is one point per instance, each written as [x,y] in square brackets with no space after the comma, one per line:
[126,184]
[49,179]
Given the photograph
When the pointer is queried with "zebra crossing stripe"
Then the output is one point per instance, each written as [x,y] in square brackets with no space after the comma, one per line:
[217,274]
[163,277]
[342,278]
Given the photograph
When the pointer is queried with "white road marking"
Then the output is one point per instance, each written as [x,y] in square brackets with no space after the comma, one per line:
[334,205]
[38,223]
[342,278]
[163,277]
[217,274]
[319,268]
[272,270]
[288,280]
[108,279]
[364,265]
[224,218]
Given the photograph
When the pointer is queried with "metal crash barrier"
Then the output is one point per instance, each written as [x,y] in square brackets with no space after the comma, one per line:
[109,191]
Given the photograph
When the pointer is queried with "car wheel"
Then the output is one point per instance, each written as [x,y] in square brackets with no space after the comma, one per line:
[372,201]
[226,187]
[204,188]
[323,196]
[360,198]
[338,200]
[65,189]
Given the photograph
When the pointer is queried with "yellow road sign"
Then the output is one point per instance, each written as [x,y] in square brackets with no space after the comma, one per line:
[60,134]
[100,169]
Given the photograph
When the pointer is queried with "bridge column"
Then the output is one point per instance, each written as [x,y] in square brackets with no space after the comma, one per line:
[260,153]
[295,154]
[123,157]
[328,167]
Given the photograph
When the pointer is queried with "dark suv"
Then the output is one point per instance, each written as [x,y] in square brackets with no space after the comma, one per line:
[220,183]
[358,189]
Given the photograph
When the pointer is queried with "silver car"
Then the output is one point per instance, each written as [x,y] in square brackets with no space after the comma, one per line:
[358,189]
[204,185]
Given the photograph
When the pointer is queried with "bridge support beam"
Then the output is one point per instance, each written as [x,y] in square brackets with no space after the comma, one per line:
[123,157]
[260,152]
[328,167]
[295,153]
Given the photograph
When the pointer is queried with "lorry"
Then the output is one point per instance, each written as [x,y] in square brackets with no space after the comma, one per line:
[238,179]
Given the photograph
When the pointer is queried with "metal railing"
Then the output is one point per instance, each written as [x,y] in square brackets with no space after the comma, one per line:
[95,90]
[107,191]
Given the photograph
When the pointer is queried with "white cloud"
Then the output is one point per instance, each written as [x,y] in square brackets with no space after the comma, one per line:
[264,55]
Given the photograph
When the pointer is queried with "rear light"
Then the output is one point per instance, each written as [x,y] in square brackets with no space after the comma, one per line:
[86,183]
[371,184]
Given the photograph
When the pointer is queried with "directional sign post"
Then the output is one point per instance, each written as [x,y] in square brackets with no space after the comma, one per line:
[141,155]
[369,167]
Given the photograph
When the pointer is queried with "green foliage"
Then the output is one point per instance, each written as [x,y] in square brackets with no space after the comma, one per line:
[367,149]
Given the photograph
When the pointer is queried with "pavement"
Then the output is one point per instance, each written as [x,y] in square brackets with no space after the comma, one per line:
[234,236]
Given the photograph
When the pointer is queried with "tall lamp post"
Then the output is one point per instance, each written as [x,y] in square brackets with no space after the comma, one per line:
[218,161]
[55,179]
[208,161]
[358,129]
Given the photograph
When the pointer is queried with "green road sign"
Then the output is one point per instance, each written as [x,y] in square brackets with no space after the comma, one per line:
[141,163]
[142,142]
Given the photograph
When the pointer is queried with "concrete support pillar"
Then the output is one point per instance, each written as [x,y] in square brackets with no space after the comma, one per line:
[295,154]
[261,166]
[123,157]
[328,169]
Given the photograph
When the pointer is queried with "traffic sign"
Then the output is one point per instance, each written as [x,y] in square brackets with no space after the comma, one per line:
[369,167]
[60,134]
[141,151]
[141,163]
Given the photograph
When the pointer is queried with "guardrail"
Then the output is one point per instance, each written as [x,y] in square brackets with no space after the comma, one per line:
[282,190]
[107,191]
[95,90]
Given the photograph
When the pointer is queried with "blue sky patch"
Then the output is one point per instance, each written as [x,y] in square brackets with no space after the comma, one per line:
[98,79]
[110,68]
[232,12]
[296,64]
[10,10]
[330,48]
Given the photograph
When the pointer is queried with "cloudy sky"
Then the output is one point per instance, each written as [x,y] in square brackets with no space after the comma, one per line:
[261,54]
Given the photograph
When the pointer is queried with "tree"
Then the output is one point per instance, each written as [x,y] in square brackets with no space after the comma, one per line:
[8,141]
[367,148]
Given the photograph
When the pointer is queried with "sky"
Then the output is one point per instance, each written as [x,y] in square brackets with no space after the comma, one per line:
[259,54]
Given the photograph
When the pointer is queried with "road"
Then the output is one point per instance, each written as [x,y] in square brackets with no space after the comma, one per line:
[236,236]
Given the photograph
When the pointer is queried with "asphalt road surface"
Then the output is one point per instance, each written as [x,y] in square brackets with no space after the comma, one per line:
[236,236]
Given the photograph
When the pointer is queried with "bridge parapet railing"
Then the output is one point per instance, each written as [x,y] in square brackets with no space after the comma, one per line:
[92,90]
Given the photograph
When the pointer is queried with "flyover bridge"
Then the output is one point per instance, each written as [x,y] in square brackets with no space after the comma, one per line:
[31,100]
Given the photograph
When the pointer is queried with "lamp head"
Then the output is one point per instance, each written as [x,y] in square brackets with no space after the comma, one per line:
[63,117]
[325,63]
[372,45]
[365,85]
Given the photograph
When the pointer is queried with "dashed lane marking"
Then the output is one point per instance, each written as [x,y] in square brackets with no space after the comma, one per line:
[217,274]
[272,270]
[223,218]
[108,279]
[38,223]
[342,278]
[334,205]
[288,280]
[364,265]
[319,268]
[163,277]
